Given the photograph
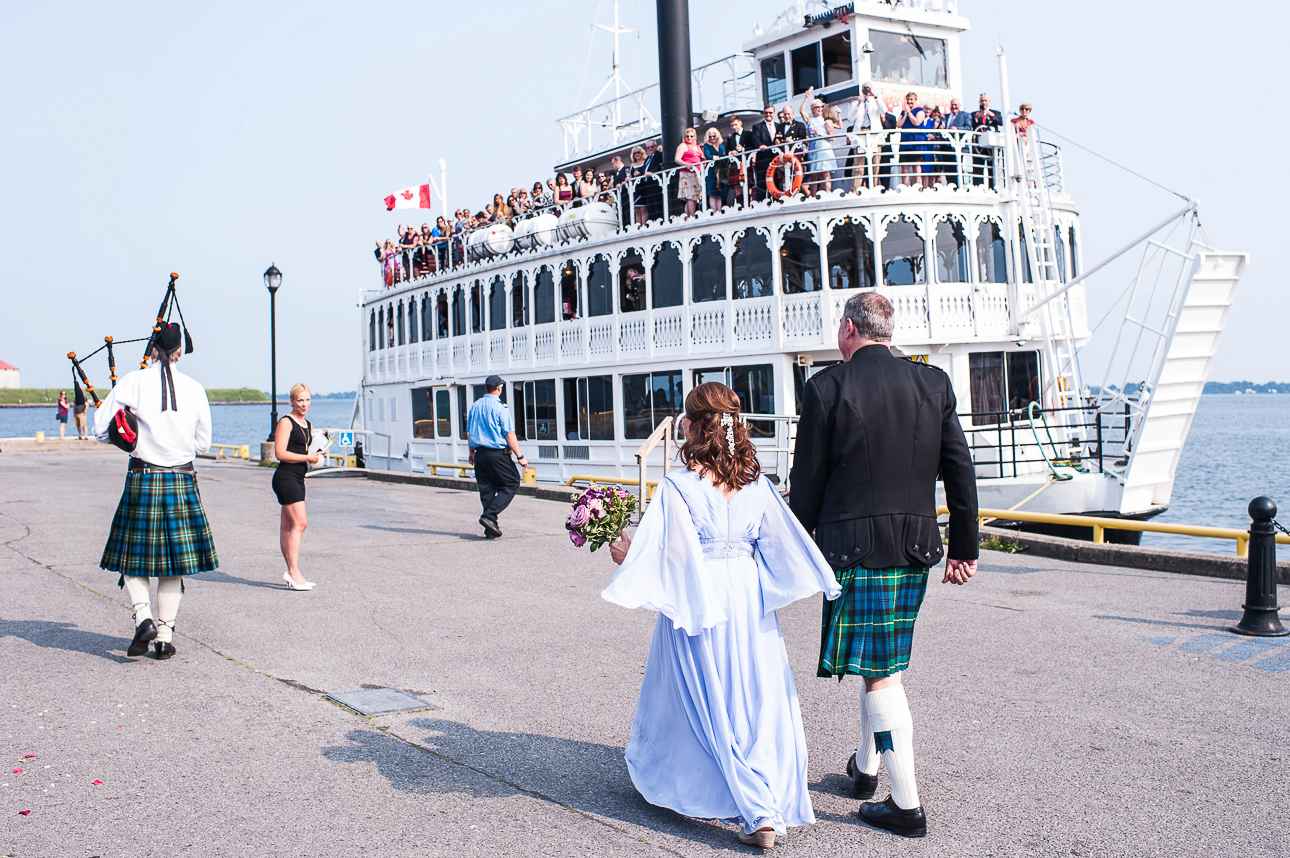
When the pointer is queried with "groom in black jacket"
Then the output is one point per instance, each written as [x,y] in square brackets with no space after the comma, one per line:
[875,433]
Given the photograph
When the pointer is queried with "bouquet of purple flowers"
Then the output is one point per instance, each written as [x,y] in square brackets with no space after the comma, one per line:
[599,516]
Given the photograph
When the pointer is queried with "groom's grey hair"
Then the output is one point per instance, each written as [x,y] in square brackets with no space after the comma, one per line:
[872,315]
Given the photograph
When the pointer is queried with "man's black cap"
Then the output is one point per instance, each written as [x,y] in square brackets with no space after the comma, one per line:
[169,338]
[493,382]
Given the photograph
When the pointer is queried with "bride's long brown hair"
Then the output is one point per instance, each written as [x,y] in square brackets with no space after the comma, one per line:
[706,448]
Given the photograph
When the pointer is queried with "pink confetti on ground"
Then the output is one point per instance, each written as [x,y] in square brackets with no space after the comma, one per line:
[97,783]
[30,757]
[17,771]
[23,812]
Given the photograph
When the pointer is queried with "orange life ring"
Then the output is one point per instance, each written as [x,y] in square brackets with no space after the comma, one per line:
[781,160]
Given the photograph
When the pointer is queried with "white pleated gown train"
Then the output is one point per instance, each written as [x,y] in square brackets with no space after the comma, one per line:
[718,731]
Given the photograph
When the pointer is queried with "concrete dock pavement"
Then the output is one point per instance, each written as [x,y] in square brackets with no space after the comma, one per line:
[1059,708]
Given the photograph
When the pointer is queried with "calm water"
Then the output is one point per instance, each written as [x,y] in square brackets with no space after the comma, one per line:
[230,424]
[1239,448]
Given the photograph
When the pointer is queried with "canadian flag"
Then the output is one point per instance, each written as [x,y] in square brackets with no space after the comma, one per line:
[409,198]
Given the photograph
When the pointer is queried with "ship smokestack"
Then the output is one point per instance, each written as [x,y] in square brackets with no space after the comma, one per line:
[674,72]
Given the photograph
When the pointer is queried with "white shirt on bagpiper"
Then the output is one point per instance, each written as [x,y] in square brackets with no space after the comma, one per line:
[166,438]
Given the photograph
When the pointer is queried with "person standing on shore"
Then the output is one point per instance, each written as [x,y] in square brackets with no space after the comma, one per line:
[492,441]
[291,441]
[61,414]
[874,434]
[160,528]
[78,414]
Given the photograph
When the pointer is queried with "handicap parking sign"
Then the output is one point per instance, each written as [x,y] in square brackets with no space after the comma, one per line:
[345,439]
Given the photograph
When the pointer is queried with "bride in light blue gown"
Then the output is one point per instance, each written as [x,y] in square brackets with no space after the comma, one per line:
[718,732]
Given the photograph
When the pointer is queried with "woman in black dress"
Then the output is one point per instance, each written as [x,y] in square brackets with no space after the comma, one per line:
[291,440]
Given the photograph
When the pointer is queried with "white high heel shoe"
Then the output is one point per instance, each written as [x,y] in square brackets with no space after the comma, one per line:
[292,585]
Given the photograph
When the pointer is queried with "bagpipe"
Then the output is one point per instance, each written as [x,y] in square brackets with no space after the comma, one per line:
[123,432]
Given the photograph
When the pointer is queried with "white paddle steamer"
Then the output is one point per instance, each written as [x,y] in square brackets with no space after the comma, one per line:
[601,326]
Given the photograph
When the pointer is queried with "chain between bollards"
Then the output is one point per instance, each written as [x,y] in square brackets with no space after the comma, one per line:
[1259,617]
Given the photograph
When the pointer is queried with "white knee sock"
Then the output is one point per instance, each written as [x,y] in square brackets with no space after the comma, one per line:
[136,587]
[168,594]
[894,736]
[866,755]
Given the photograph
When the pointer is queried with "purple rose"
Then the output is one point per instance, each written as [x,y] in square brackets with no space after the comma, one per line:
[577,538]
[579,517]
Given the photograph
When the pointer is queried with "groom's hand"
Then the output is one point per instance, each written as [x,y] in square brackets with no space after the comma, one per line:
[958,571]
[618,549]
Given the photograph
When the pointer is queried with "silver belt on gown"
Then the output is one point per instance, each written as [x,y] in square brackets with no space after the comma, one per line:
[727,549]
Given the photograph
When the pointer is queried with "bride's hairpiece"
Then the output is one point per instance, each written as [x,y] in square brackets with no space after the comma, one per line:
[729,422]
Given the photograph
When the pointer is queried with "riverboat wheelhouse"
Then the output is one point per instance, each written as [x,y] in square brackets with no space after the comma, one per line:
[600,326]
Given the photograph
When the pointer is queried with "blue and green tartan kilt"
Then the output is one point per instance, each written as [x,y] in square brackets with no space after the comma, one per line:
[868,630]
[160,528]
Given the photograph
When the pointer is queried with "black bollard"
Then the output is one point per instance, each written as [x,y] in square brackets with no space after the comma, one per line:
[1260,616]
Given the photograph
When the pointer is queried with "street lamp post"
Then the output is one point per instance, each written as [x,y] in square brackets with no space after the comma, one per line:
[272,280]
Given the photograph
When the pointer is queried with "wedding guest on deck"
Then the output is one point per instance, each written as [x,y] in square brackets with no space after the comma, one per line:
[912,140]
[718,172]
[718,728]
[292,439]
[820,162]
[638,168]
[761,137]
[688,157]
[735,176]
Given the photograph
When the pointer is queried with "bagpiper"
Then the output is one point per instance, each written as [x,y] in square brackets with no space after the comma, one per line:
[163,419]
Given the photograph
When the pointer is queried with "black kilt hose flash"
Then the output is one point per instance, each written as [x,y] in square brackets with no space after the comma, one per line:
[160,528]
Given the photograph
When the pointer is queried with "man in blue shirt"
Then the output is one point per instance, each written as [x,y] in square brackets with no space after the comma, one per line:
[492,439]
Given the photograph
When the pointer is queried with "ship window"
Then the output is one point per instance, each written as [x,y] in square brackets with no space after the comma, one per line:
[380,409]
[1074,255]
[423,321]
[380,328]
[544,297]
[535,400]
[755,387]
[668,278]
[589,408]
[441,314]
[648,398]
[800,260]
[422,412]
[774,85]
[461,413]
[389,326]
[631,282]
[569,291]
[443,414]
[850,256]
[750,267]
[991,253]
[600,298]
[400,326]
[497,305]
[836,51]
[414,320]
[371,334]
[806,68]
[902,254]
[908,59]
[476,307]
[1059,247]
[458,312]
[708,271]
[519,300]
[1002,382]
[951,251]
[1025,254]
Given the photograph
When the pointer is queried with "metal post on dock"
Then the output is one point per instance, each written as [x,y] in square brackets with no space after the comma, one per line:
[1260,609]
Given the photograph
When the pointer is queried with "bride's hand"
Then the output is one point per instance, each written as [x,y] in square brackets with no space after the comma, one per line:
[618,549]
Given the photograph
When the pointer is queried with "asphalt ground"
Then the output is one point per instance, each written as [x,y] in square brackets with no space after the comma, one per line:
[1059,709]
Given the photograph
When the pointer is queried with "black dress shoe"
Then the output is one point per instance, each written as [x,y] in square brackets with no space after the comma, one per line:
[862,785]
[889,817]
[164,650]
[143,634]
[491,530]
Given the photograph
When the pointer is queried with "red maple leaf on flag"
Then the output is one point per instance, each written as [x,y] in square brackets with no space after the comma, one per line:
[407,195]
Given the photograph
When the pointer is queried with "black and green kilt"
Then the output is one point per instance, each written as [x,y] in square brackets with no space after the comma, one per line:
[160,528]
[868,630]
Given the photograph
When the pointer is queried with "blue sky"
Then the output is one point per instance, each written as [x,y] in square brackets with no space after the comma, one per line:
[214,139]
